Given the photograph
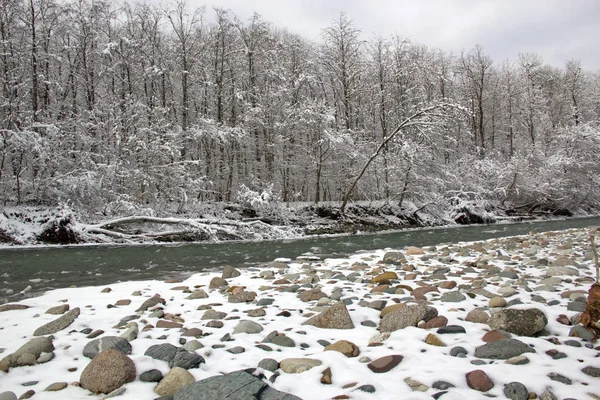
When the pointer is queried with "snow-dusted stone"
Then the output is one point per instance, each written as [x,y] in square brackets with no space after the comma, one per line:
[479,380]
[336,317]
[503,349]
[175,379]
[106,343]
[405,317]
[298,365]
[247,326]
[235,385]
[151,302]
[415,385]
[452,297]
[393,257]
[58,324]
[230,272]
[561,271]
[108,371]
[520,322]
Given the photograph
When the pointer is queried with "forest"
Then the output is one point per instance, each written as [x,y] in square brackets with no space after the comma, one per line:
[119,109]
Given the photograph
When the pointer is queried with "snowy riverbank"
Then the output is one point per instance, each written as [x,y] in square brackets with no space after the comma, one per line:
[224,322]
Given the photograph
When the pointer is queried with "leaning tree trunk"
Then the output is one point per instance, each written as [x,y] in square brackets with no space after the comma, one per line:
[590,318]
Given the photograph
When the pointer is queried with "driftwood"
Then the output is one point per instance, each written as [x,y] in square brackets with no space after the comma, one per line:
[590,318]
[195,229]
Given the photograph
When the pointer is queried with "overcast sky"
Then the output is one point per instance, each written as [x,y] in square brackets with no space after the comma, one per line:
[558,30]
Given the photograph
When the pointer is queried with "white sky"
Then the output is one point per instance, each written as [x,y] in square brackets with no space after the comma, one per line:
[557,30]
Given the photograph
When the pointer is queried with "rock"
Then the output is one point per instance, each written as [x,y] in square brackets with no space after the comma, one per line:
[153,375]
[414,251]
[56,387]
[393,257]
[230,272]
[345,347]
[284,341]
[518,360]
[436,322]
[591,371]
[151,302]
[29,351]
[516,391]
[298,365]
[58,324]
[502,349]
[123,302]
[164,352]
[451,329]
[548,395]
[420,292]
[131,332]
[497,302]
[561,271]
[389,309]
[268,364]
[385,364]
[520,322]
[385,277]
[12,307]
[174,380]
[8,396]
[403,317]
[452,297]
[416,386]
[95,346]
[479,380]
[442,385]
[493,336]
[336,317]
[326,378]
[581,332]
[310,295]
[45,357]
[477,316]
[163,323]
[197,294]
[186,359]
[217,283]
[457,352]
[235,385]
[109,370]
[192,332]
[433,340]
[559,378]
[58,310]
[243,297]
[213,314]
[247,326]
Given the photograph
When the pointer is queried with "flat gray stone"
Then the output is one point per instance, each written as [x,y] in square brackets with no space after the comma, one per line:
[247,326]
[164,352]
[503,349]
[107,342]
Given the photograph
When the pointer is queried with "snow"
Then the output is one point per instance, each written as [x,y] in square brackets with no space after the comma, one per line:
[421,362]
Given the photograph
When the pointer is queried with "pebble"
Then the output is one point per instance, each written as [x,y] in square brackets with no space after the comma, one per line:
[479,380]
[385,364]
[516,391]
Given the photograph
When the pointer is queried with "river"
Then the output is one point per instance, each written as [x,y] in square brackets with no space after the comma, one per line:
[47,268]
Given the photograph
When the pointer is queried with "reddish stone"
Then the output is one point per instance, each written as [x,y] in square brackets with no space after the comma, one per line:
[419,293]
[492,336]
[168,324]
[563,319]
[385,364]
[479,380]
[447,285]
[436,322]
[410,277]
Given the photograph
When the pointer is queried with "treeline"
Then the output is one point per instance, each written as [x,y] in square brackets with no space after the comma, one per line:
[116,107]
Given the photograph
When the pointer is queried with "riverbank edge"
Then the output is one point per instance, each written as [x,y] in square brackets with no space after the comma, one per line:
[32,227]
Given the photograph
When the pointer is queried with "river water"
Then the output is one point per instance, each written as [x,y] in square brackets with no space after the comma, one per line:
[48,268]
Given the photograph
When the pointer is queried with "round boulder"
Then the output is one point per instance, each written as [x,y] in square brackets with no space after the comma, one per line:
[108,371]
[520,322]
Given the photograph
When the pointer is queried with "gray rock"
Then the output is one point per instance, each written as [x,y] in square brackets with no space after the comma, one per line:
[520,322]
[151,302]
[451,329]
[235,385]
[393,257]
[56,387]
[442,385]
[298,365]
[108,371]
[213,314]
[27,354]
[236,350]
[577,306]
[456,352]
[592,371]
[131,332]
[559,378]
[12,307]
[516,391]
[153,375]
[265,302]
[230,272]
[186,359]
[559,271]
[581,332]
[503,349]
[508,274]
[58,324]
[108,342]
[336,317]
[243,297]
[403,317]
[8,396]
[125,320]
[548,395]
[247,326]
[192,345]
[164,352]
[197,294]
[284,341]
[58,310]
[268,364]
[452,297]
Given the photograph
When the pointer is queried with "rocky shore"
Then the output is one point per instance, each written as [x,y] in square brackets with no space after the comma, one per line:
[491,319]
